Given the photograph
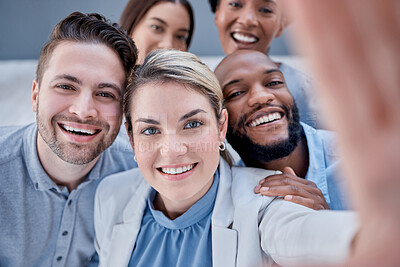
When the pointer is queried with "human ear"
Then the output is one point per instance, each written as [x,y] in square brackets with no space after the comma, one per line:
[216,14]
[223,124]
[35,95]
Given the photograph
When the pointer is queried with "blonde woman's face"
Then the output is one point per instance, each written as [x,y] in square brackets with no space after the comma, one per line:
[165,25]
[175,140]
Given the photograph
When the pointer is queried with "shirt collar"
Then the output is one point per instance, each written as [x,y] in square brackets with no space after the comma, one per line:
[316,160]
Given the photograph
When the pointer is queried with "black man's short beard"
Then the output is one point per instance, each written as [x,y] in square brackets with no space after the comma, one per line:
[252,154]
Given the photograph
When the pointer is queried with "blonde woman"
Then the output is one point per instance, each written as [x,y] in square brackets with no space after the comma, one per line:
[187,206]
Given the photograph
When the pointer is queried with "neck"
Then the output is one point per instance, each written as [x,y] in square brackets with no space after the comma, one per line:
[171,209]
[60,171]
[297,160]
[174,208]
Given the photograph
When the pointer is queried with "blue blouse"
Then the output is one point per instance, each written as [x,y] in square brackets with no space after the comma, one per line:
[184,241]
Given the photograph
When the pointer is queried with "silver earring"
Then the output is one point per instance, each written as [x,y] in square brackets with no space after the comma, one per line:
[134,158]
[222,146]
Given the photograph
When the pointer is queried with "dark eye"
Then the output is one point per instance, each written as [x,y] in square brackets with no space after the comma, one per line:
[156,28]
[234,4]
[274,83]
[234,94]
[106,94]
[150,131]
[265,10]
[182,37]
[65,87]
[193,124]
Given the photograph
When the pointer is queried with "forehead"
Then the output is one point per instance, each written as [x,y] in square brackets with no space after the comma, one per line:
[250,1]
[170,12]
[84,52]
[162,97]
[243,64]
[86,61]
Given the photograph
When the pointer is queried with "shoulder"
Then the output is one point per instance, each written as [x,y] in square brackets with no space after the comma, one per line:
[120,148]
[118,157]
[120,184]
[292,74]
[117,193]
[12,140]
[327,137]
[251,174]
[244,179]
[329,140]
[12,134]
[324,139]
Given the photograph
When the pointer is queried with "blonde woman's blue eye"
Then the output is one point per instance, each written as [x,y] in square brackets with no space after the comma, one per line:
[150,131]
[193,124]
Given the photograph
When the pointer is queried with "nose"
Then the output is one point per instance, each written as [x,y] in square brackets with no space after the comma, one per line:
[84,105]
[248,17]
[260,95]
[173,146]
[167,42]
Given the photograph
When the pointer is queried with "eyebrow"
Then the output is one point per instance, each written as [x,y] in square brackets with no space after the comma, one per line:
[184,117]
[192,113]
[239,80]
[148,121]
[231,82]
[166,24]
[110,85]
[273,70]
[67,77]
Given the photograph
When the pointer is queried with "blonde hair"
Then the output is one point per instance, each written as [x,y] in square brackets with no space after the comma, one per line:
[177,66]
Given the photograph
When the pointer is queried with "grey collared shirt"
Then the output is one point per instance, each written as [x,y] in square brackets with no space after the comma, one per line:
[42,224]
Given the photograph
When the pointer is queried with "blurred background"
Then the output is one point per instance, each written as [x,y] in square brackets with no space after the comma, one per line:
[26,24]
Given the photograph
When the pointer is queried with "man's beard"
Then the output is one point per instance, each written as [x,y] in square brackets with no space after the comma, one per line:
[73,153]
[253,154]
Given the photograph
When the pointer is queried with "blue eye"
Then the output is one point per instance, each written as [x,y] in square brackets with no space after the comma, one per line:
[150,131]
[193,124]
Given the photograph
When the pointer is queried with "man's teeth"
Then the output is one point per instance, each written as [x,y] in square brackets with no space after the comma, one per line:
[79,131]
[265,119]
[244,38]
[177,170]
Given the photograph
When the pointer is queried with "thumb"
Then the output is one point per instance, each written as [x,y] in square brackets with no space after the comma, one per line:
[289,170]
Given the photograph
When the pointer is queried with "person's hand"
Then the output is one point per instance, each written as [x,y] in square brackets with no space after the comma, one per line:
[292,188]
[353,48]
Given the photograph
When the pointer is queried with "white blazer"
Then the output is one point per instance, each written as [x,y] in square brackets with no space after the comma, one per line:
[247,229]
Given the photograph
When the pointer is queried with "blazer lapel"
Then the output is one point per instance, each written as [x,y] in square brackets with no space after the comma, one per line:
[122,243]
[224,239]
[224,246]
[124,235]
